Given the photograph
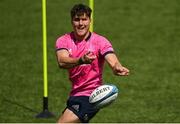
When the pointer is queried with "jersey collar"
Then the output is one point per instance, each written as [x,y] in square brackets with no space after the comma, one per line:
[73,37]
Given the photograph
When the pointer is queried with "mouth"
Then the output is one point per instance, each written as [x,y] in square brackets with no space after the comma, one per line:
[81,28]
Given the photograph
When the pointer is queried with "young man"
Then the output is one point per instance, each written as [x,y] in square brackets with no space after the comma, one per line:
[83,53]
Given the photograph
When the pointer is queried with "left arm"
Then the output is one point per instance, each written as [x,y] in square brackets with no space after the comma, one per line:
[115,65]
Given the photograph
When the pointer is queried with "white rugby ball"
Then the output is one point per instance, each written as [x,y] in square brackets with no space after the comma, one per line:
[103,95]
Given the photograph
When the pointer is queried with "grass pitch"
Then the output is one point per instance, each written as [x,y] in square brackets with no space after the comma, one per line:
[145,36]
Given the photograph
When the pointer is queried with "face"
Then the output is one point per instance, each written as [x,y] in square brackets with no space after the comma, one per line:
[81,25]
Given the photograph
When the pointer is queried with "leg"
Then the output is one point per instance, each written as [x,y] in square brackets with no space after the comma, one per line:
[68,117]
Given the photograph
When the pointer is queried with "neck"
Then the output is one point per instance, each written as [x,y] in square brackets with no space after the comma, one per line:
[81,38]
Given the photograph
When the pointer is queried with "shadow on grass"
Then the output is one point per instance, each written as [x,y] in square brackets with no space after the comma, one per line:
[19,105]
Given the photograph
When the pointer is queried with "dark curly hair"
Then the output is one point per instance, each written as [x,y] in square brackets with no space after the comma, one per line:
[80,9]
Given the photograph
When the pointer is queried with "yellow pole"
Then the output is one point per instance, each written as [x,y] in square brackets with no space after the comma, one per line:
[91,5]
[45,113]
[44,48]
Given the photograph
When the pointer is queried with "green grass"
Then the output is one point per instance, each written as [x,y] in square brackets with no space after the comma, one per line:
[145,36]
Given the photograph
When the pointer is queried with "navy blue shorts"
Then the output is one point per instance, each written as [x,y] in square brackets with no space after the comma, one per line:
[80,106]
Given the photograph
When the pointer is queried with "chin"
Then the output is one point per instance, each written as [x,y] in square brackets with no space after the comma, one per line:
[81,33]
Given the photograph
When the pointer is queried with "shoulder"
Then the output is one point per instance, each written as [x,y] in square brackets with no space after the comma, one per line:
[66,36]
[96,35]
[64,41]
[99,37]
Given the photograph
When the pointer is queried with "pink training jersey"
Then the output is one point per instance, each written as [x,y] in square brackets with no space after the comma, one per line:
[85,78]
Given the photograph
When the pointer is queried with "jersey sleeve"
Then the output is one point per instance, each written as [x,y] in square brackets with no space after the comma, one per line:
[61,43]
[105,47]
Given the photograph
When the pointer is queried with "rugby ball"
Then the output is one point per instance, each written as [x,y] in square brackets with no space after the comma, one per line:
[103,95]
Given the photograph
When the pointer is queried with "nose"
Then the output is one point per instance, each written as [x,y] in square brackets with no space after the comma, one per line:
[80,22]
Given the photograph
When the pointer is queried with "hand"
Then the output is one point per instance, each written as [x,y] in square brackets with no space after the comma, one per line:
[88,58]
[120,70]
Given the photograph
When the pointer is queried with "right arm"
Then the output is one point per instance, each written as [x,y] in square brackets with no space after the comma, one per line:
[66,62]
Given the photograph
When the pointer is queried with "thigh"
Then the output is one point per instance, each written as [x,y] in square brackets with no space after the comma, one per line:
[68,117]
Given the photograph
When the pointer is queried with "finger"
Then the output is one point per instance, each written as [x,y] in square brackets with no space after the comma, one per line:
[88,53]
[124,70]
[92,57]
[122,73]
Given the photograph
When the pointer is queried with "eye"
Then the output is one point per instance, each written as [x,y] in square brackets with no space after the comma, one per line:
[76,19]
[84,19]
